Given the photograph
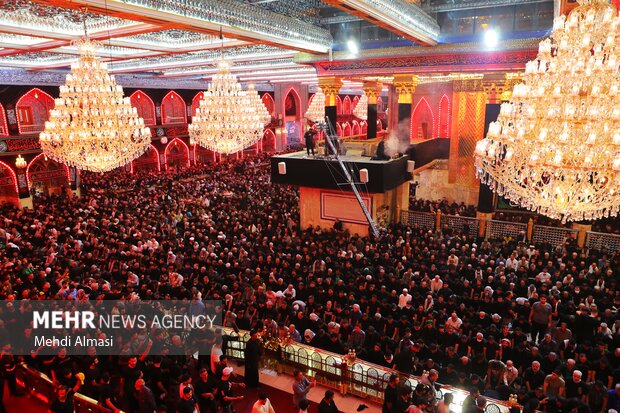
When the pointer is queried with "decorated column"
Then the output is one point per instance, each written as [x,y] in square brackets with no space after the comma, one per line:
[331,87]
[74,180]
[404,85]
[23,191]
[372,91]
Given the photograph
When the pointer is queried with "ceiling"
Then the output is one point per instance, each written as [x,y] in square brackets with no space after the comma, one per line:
[179,40]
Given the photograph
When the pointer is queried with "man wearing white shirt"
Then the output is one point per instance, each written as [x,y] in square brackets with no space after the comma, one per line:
[262,405]
[404,298]
[453,324]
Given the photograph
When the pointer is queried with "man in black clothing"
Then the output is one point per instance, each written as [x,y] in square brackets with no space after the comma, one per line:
[309,137]
[252,358]
[404,400]
[206,390]
[327,405]
[64,402]
[145,398]
[106,394]
[188,402]
[390,396]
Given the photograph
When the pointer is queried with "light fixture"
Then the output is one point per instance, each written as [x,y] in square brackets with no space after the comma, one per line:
[93,126]
[491,37]
[555,149]
[316,110]
[361,109]
[353,48]
[225,122]
[258,105]
[20,162]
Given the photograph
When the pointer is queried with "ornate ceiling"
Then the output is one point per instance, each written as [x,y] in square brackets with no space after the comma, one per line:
[181,40]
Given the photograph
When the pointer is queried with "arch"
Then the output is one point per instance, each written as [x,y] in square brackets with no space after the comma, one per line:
[380,104]
[145,106]
[356,129]
[32,111]
[346,129]
[292,117]
[4,129]
[8,184]
[176,154]
[422,121]
[444,117]
[268,143]
[364,127]
[338,105]
[196,103]
[203,155]
[379,125]
[269,103]
[354,102]
[346,106]
[173,109]
[338,129]
[146,161]
[46,174]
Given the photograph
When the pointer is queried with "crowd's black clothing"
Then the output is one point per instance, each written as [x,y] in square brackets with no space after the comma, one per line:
[252,358]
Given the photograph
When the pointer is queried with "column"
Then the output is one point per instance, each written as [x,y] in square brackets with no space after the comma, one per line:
[372,91]
[23,191]
[404,85]
[74,180]
[331,87]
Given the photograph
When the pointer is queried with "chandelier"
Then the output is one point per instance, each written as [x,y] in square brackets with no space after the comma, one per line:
[316,110]
[92,126]
[361,109]
[256,102]
[226,121]
[555,149]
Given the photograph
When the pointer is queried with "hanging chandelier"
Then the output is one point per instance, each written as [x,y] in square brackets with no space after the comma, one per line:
[361,109]
[555,148]
[93,126]
[258,105]
[226,121]
[316,110]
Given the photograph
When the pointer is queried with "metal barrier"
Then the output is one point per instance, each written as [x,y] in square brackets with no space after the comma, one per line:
[425,220]
[601,240]
[502,229]
[460,223]
[552,235]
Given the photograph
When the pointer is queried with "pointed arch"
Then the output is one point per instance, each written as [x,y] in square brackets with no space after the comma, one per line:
[444,117]
[380,104]
[145,106]
[173,109]
[364,127]
[346,106]
[32,111]
[422,121]
[4,129]
[292,117]
[147,161]
[356,129]
[354,102]
[269,103]
[338,105]
[338,129]
[268,143]
[51,174]
[176,153]
[8,184]
[196,103]
[346,129]
[379,125]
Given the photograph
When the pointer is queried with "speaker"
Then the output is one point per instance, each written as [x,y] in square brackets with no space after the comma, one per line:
[410,166]
[364,175]
[282,168]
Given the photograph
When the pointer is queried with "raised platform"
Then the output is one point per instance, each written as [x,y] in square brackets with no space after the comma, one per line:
[325,173]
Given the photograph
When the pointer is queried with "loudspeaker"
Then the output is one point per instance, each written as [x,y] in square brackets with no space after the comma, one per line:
[410,166]
[282,168]
[364,175]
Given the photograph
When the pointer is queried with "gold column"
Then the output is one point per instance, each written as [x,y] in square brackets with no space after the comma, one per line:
[372,91]
[404,85]
[330,86]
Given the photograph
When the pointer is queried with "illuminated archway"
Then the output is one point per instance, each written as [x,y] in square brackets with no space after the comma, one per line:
[444,117]
[147,161]
[364,127]
[338,105]
[356,130]
[346,106]
[379,125]
[32,111]
[176,154]
[4,130]
[8,184]
[46,175]
[269,103]
[354,103]
[338,129]
[196,103]
[346,129]
[268,143]
[292,117]
[145,106]
[423,121]
[173,109]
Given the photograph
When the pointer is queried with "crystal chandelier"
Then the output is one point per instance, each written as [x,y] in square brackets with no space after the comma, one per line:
[316,110]
[226,121]
[92,126]
[258,105]
[555,149]
[361,109]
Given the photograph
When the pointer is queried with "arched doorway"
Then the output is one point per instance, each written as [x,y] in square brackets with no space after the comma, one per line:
[4,130]
[364,127]
[338,130]
[196,103]
[346,106]
[32,111]
[338,105]
[8,185]
[356,130]
[176,155]
[422,121]
[269,103]
[46,176]
[268,143]
[173,109]
[346,129]
[147,162]
[145,106]
[444,117]
[292,117]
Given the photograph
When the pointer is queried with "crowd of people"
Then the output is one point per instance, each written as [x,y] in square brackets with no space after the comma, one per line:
[493,317]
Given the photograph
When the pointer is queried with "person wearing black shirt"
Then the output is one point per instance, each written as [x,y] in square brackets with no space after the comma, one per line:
[327,405]
[106,394]
[309,137]
[206,389]
[64,401]
[403,402]
[252,358]
[390,396]
[188,402]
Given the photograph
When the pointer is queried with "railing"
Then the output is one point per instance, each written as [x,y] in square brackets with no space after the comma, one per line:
[601,240]
[357,377]
[501,229]
[460,223]
[425,220]
[552,235]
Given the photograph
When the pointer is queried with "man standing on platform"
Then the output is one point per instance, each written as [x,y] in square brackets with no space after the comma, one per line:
[309,137]
[252,358]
